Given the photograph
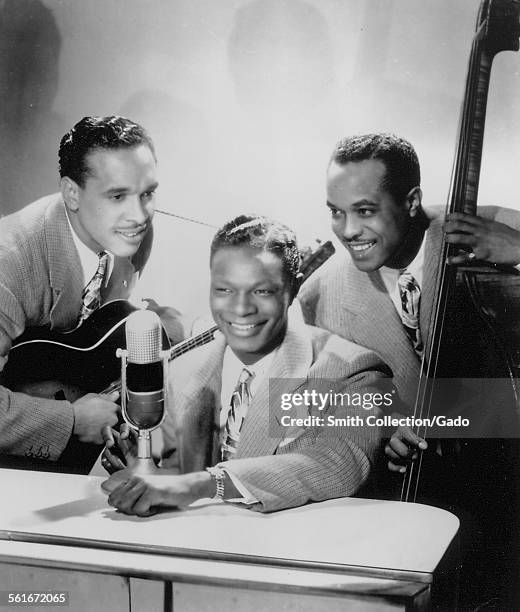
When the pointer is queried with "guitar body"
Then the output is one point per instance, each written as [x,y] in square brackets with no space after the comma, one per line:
[54,365]
[44,363]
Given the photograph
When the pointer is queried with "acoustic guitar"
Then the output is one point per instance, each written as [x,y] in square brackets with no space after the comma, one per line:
[66,366]
[53,365]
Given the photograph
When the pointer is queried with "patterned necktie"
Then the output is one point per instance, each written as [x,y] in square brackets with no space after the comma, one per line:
[92,293]
[240,401]
[410,301]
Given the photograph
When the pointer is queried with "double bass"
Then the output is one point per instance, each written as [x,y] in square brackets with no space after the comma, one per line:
[471,362]
[477,308]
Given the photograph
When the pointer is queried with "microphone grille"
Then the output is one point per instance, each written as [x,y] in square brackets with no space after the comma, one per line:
[143,337]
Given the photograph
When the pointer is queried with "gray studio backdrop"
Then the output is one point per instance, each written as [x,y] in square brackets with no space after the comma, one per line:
[245,99]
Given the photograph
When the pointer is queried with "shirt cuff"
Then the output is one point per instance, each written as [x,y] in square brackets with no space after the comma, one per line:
[246,498]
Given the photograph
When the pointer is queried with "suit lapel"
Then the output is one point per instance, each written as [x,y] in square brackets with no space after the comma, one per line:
[64,266]
[376,321]
[287,372]
[198,403]
[372,321]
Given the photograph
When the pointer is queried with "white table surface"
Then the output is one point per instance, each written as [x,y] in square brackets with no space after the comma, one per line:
[351,532]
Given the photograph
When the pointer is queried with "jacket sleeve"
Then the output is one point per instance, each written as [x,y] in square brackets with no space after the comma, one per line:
[29,426]
[508,216]
[329,460]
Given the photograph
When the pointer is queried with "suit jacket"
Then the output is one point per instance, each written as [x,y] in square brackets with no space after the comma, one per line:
[356,306]
[281,467]
[41,283]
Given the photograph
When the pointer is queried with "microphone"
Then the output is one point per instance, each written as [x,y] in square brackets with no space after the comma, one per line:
[143,382]
[144,370]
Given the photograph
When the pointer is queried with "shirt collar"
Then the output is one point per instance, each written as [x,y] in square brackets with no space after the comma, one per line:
[88,259]
[415,267]
[232,367]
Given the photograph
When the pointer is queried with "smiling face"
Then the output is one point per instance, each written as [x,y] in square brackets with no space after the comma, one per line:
[249,300]
[366,218]
[114,209]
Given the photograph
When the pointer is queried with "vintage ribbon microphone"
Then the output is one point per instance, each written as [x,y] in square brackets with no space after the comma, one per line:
[144,382]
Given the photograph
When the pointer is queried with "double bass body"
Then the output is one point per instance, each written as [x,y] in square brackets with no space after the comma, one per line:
[472,359]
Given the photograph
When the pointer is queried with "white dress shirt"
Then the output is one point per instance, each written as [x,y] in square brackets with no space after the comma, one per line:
[89,260]
[231,369]
[390,276]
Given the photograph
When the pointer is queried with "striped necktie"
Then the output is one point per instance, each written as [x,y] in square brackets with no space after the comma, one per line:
[240,401]
[92,293]
[410,303]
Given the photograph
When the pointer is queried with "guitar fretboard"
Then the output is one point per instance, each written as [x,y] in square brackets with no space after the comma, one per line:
[191,343]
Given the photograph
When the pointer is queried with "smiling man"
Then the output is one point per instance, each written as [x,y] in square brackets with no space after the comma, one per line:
[60,259]
[380,291]
[377,228]
[110,207]
[224,428]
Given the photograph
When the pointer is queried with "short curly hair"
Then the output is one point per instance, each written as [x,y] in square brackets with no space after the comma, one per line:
[259,232]
[93,133]
[403,171]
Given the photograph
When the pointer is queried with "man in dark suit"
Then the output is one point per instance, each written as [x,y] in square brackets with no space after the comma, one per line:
[64,256]
[253,452]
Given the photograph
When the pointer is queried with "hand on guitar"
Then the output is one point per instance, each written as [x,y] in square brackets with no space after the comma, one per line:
[92,412]
[120,448]
[485,239]
[402,448]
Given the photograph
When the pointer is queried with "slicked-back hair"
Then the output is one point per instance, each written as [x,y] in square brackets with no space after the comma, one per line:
[403,171]
[259,232]
[97,133]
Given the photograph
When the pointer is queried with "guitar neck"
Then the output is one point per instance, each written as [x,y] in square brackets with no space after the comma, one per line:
[176,351]
[193,342]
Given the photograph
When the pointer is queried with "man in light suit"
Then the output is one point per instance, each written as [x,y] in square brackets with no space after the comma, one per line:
[375,200]
[266,462]
[49,252]
[374,196]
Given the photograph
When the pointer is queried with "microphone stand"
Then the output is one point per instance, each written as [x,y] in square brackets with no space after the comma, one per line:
[143,462]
